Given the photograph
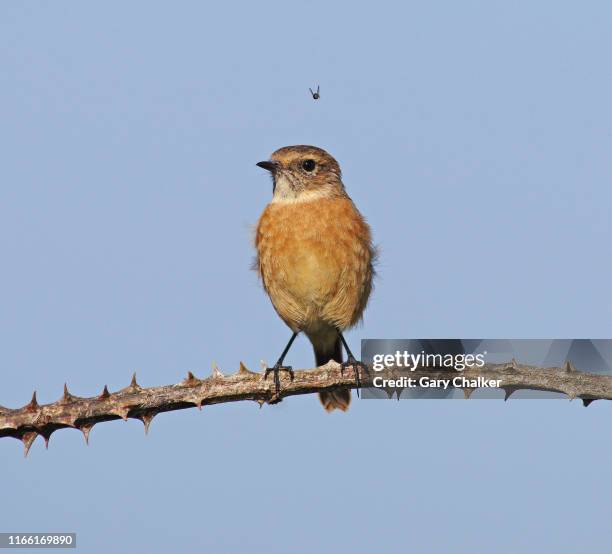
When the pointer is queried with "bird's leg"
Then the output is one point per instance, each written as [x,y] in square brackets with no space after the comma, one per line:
[352,362]
[278,366]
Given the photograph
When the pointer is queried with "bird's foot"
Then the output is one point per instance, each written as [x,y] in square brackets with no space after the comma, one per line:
[278,367]
[356,365]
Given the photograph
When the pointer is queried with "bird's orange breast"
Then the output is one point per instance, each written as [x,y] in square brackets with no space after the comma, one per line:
[315,260]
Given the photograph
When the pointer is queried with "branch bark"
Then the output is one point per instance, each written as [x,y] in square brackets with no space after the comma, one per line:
[136,402]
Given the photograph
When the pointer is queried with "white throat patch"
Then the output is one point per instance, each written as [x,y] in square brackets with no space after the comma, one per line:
[284,193]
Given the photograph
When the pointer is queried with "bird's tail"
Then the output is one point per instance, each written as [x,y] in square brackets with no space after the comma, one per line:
[334,399]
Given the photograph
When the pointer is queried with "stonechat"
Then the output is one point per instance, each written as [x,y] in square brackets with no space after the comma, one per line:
[315,258]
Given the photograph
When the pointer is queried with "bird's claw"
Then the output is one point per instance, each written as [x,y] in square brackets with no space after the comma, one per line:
[276,370]
[356,365]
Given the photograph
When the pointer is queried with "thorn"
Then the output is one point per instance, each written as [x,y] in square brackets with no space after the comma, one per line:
[146,419]
[86,429]
[569,367]
[122,412]
[27,439]
[33,405]
[190,380]
[216,374]
[508,391]
[104,394]
[467,392]
[587,401]
[134,386]
[197,402]
[244,370]
[260,402]
[66,397]
[46,436]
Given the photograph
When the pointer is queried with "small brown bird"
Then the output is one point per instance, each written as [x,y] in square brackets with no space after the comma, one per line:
[315,256]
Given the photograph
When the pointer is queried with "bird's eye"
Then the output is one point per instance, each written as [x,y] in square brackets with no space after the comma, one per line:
[308,165]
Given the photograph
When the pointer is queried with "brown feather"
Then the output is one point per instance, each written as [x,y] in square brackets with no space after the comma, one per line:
[315,255]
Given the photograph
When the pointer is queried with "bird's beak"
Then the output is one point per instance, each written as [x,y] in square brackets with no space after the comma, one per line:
[268,165]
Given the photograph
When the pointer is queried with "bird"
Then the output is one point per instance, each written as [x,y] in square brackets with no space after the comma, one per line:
[315,257]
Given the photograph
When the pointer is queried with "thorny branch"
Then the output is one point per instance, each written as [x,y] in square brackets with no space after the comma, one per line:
[136,402]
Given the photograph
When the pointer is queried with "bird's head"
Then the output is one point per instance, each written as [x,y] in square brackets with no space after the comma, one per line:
[303,173]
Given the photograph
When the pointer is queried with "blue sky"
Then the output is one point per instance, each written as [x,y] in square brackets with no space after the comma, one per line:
[475,137]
